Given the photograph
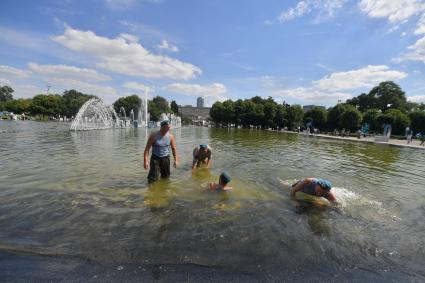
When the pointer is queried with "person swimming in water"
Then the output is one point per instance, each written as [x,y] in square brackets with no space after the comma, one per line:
[222,184]
[314,187]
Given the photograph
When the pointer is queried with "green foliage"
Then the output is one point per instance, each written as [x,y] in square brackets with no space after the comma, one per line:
[6,93]
[318,117]
[364,102]
[129,103]
[351,118]
[280,119]
[18,106]
[46,105]
[389,95]
[417,119]
[294,116]
[398,120]
[344,116]
[334,116]
[371,117]
[72,102]
[216,112]
[174,107]
[157,106]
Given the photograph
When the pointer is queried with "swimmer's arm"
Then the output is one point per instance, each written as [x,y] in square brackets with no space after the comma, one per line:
[331,197]
[299,186]
[195,158]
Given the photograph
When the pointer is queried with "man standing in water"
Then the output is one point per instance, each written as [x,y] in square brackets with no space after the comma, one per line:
[160,159]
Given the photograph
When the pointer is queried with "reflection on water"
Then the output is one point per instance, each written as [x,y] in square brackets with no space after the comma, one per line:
[86,194]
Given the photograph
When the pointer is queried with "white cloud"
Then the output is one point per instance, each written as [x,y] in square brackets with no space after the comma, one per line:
[417,98]
[420,28]
[137,86]
[14,72]
[125,57]
[338,85]
[65,71]
[211,93]
[364,77]
[301,9]
[167,46]
[314,96]
[396,11]
[129,37]
[4,81]
[417,52]
[325,9]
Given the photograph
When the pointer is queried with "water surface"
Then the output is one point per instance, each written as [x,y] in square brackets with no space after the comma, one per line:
[85,195]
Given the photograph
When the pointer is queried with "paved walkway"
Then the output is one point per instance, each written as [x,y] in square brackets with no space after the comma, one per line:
[396,142]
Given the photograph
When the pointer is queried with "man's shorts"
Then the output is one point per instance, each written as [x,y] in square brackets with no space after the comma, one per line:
[159,165]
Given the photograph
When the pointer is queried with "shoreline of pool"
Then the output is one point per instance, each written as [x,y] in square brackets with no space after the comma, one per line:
[394,142]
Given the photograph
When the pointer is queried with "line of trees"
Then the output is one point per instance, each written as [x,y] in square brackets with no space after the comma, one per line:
[68,104]
[44,105]
[384,104]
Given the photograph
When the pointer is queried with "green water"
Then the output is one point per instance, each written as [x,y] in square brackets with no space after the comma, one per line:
[85,194]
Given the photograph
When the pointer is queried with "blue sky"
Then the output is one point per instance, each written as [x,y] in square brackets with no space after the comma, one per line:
[305,52]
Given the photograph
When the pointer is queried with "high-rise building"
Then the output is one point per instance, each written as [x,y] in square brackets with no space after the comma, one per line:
[200,102]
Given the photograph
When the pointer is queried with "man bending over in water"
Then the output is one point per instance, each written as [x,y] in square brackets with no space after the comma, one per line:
[314,187]
[201,156]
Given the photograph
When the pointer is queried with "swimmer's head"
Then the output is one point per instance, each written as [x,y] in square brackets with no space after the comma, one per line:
[225,178]
[326,185]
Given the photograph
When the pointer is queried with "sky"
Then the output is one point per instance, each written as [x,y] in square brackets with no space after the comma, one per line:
[306,52]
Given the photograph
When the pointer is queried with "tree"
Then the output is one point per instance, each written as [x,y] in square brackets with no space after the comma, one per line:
[228,115]
[319,117]
[174,107]
[157,106]
[216,112]
[6,93]
[371,117]
[49,105]
[334,116]
[269,114]
[294,115]
[401,121]
[364,102]
[417,119]
[239,110]
[351,118]
[72,102]
[18,106]
[280,118]
[389,95]
[129,103]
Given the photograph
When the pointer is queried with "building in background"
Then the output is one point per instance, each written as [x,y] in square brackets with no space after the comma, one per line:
[200,102]
[199,114]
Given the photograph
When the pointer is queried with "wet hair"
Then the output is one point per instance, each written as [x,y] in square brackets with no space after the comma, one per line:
[165,122]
